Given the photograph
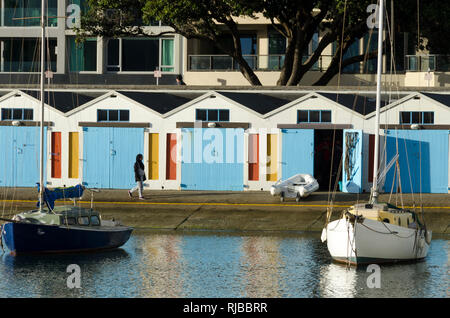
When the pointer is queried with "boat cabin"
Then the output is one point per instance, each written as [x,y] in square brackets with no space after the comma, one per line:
[62,215]
[385,212]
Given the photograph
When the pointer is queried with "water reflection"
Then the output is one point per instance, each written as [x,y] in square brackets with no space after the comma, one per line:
[160,268]
[211,266]
[37,275]
[261,266]
[337,280]
[220,265]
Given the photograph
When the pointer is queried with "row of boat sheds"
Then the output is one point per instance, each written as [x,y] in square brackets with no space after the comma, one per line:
[225,139]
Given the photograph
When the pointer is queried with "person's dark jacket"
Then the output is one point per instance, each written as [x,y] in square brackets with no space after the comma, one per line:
[138,164]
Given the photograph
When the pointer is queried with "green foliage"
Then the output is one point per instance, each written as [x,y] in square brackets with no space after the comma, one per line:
[340,21]
[197,18]
[111,18]
[431,19]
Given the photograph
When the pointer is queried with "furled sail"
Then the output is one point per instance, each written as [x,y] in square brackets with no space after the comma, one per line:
[50,196]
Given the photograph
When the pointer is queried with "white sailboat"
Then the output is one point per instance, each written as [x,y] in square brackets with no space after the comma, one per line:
[376,232]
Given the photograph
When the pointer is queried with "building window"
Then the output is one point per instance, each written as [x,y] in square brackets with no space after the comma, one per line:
[15,10]
[17,114]
[113,63]
[19,55]
[140,55]
[113,115]
[422,118]
[167,60]
[277,49]
[370,44]
[314,116]
[353,50]
[212,114]
[83,56]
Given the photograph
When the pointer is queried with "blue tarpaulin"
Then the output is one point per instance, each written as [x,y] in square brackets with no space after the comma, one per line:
[50,196]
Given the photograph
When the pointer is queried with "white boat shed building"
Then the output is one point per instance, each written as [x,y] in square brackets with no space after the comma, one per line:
[224,139]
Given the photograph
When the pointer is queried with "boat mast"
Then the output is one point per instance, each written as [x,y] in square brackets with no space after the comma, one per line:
[378,102]
[41,154]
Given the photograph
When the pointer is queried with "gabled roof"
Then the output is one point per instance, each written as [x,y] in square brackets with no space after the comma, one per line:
[161,102]
[258,102]
[362,104]
[63,101]
[441,98]
[207,95]
[330,97]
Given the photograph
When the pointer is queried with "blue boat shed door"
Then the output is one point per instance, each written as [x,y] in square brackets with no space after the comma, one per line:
[212,159]
[423,160]
[352,163]
[20,146]
[297,152]
[109,154]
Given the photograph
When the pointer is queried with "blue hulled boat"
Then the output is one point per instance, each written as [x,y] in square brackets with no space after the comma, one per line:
[62,229]
[59,229]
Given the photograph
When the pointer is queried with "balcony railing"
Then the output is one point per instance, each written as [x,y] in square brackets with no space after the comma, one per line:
[273,62]
[425,63]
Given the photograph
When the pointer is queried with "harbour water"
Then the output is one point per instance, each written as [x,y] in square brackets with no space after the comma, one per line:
[169,264]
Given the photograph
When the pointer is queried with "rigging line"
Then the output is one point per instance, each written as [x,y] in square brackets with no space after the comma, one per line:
[387,233]
[409,171]
[34,65]
[70,76]
[393,183]
[391,33]
[418,24]
[396,84]
[74,76]
[336,182]
[365,65]
[400,186]
[397,166]
[341,48]
[337,94]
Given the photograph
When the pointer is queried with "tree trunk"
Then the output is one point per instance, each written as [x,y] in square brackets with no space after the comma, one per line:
[247,71]
[297,61]
[286,70]
[333,69]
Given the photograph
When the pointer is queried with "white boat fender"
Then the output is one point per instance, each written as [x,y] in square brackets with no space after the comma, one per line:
[302,191]
[323,237]
[421,243]
[428,237]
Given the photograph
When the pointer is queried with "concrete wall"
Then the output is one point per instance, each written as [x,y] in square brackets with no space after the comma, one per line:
[270,78]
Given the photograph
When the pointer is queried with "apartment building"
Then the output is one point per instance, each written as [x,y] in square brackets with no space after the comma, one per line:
[137,61]
[97,61]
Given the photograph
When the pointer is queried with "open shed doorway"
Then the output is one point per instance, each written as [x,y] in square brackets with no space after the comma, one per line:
[323,150]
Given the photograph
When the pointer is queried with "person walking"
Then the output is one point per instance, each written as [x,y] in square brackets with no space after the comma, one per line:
[139,176]
[179,80]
